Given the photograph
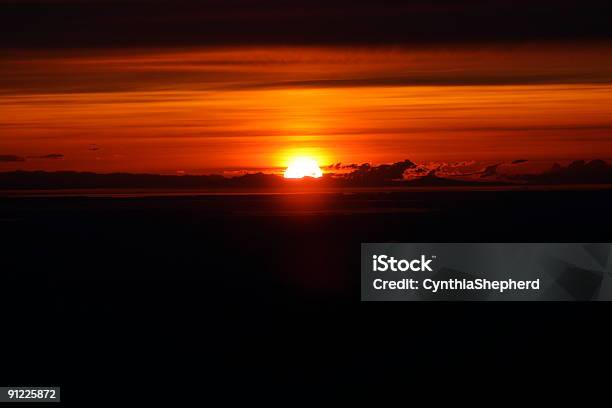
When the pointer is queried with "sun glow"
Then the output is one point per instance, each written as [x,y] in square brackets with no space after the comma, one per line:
[300,167]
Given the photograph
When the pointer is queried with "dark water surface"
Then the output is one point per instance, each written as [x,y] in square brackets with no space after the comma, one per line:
[260,293]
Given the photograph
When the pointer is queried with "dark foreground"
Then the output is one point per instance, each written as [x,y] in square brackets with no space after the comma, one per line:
[249,297]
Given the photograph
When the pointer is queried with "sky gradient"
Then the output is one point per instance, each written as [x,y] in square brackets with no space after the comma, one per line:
[114,89]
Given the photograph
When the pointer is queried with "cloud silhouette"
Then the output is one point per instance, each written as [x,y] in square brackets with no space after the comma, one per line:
[577,172]
[8,158]
[460,169]
[367,173]
[340,166]
[52,156]
[490,171]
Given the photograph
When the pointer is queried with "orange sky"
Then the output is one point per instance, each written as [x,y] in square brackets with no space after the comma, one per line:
[219,109]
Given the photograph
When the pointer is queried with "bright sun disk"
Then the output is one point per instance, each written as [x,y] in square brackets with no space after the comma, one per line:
[303,167]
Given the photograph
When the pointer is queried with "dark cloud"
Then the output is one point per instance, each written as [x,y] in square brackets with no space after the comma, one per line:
[472,169]
[367,173]
[490,171]
[433,174]
[460,169]
[437,78]
[334,166]
[406,173]
[15,158]
[124,23]
[52,156]
[340,166]
[7,158]
[577,172]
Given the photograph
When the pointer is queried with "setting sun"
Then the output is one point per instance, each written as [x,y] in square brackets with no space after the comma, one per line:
[303,167]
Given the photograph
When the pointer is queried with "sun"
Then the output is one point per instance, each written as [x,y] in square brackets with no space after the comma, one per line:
[303,167]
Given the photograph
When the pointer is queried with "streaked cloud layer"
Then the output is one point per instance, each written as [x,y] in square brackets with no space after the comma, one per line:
[198,110]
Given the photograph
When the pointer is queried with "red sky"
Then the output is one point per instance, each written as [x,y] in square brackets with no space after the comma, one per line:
[214,109]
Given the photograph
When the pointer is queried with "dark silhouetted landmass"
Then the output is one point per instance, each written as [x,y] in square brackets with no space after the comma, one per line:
[30,180]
